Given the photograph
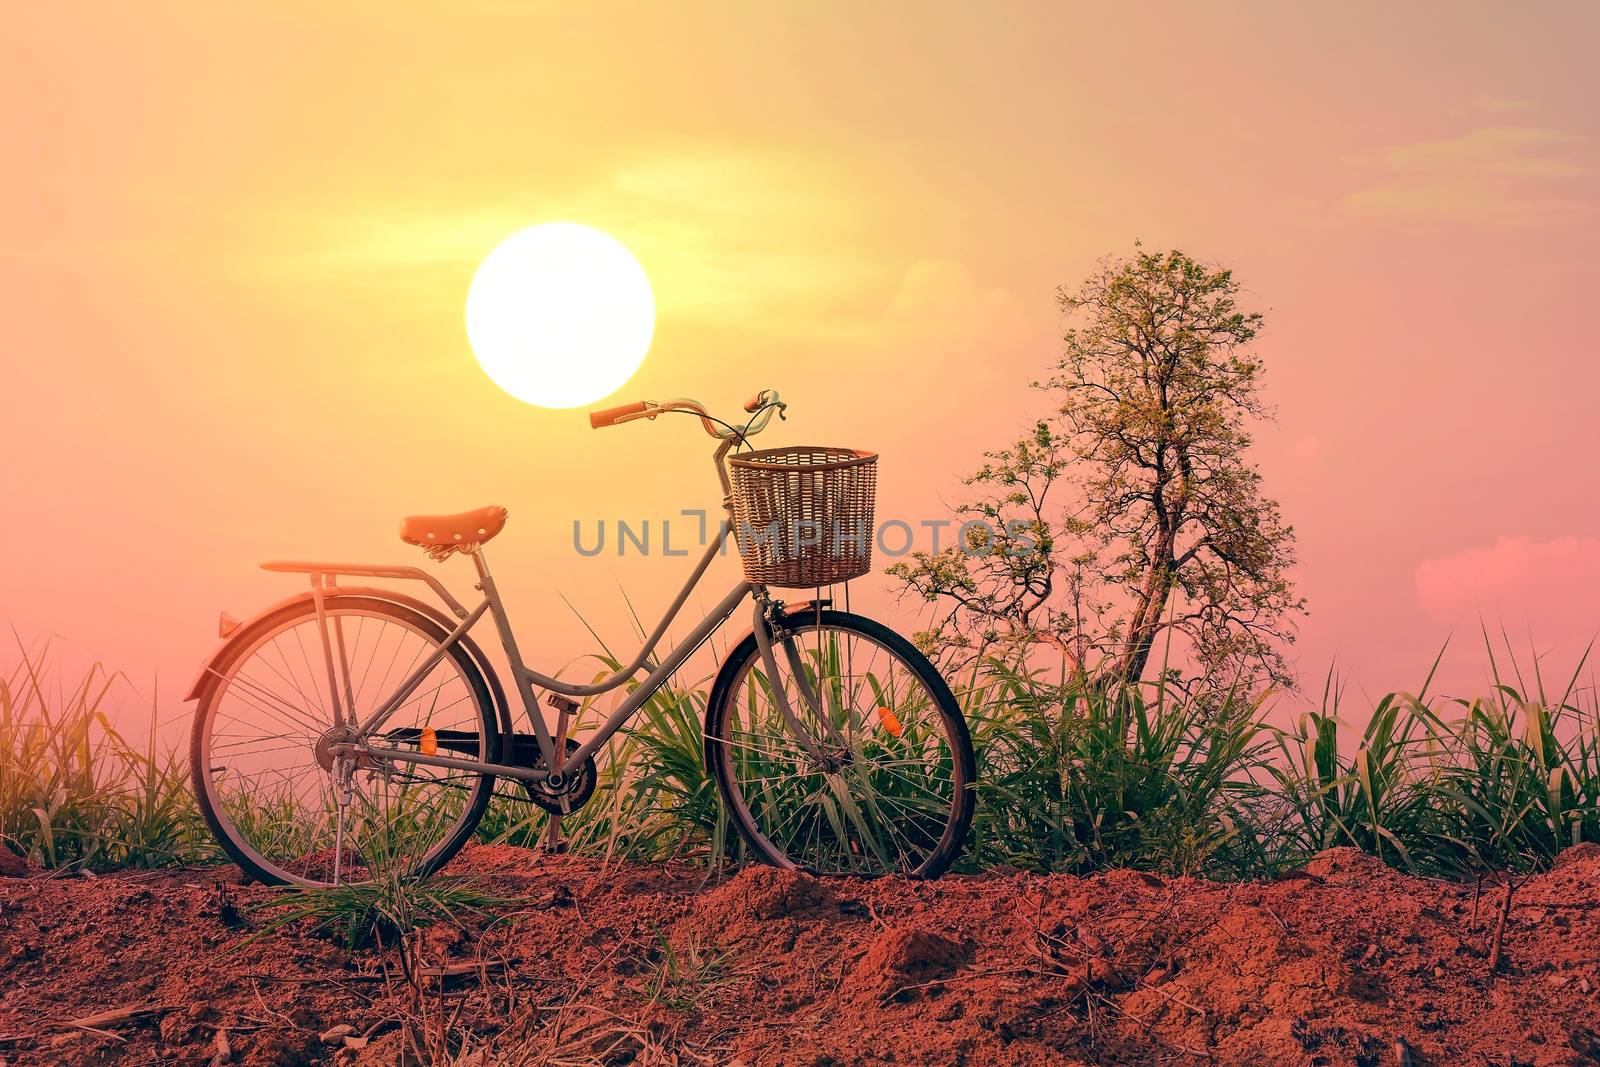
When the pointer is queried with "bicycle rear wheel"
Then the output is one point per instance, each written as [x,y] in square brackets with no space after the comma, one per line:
[264,777]
[888,790]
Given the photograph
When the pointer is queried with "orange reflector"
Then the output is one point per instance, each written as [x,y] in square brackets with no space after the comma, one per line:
[889,721]
[429,742]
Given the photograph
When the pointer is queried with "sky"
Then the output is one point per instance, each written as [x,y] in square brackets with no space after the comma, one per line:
[235,245]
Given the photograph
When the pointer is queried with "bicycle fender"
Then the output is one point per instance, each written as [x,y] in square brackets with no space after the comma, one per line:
[209,670]
[789,612]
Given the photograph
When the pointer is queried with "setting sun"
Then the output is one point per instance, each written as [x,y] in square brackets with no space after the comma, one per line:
[560,315]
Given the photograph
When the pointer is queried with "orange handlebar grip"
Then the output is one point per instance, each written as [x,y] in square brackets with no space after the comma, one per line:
[609,416]
[754,402]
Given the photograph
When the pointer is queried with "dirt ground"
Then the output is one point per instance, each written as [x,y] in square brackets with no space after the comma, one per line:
[1345,962]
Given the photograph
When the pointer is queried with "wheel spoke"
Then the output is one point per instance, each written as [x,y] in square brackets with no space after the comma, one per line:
[269,778]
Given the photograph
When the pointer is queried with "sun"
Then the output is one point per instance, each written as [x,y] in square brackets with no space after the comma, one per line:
[560,315]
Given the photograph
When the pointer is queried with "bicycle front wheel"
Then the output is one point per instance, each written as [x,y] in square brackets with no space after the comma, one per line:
[884,786]
[284,806]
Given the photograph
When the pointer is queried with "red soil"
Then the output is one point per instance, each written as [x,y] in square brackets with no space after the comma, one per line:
[1346,962]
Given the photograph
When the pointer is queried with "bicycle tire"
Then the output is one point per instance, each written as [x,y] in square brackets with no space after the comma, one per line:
[721,757]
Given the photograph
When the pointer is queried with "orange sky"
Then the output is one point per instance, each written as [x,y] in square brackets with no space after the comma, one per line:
[234,249]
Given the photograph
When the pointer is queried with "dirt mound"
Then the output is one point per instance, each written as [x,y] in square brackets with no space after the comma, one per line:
[1347,866]
[768,893]
[12,865]
[1581,861]
[901,961]
[1347,962]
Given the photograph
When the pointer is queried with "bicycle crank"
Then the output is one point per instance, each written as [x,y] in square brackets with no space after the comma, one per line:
[567,791]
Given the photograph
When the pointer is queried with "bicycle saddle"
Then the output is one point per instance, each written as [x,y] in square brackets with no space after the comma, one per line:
[466,530]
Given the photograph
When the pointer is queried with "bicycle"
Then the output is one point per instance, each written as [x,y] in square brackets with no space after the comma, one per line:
[835,745]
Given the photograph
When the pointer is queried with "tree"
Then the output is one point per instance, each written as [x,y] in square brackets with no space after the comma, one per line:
[1131,509]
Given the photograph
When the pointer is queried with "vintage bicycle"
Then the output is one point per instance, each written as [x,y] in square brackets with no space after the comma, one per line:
[356,720]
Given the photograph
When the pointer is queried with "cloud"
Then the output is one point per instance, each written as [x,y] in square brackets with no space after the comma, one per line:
[766,239]
[940,303]
[1552,587]
[1503,175]
[790,245]
[1499,105]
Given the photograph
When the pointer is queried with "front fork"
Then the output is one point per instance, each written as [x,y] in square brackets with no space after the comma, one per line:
[769,628]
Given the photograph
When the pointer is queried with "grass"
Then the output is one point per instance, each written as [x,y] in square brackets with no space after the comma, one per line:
[1075,777]
[1452,786]
[1180,777]
[74,793]
[394,908]
[390,906]
[680,977]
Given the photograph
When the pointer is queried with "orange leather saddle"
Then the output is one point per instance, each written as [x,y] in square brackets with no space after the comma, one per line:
[464,531]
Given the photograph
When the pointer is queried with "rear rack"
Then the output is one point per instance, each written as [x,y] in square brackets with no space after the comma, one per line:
[321,571]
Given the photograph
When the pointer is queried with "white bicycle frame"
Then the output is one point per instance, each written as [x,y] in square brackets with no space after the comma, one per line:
[766,627]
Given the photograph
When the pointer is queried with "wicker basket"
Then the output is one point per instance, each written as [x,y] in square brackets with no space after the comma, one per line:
[803,515]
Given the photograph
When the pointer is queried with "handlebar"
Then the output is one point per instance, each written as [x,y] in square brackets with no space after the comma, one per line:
[762,405]
[611,416]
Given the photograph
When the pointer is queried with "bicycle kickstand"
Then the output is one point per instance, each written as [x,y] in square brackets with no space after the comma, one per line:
[554,844]
[344,773]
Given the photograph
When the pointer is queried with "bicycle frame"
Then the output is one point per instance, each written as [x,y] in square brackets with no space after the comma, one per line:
[526,678]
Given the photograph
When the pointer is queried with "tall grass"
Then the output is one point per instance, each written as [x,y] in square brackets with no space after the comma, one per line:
[1169,776]
[73,791]
[1449,786]
[1075,776]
